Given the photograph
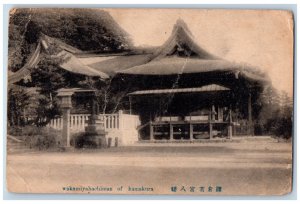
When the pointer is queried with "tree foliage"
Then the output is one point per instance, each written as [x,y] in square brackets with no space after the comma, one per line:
[276,115]
[85,29]
[109,99]
[18,100]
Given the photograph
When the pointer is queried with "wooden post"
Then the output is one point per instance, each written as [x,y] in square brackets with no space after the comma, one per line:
[171,132]
[210,130]
[213,113]
[130,111]
[250,123]
[210,126]
[230,125]
[191,132]
[151,131]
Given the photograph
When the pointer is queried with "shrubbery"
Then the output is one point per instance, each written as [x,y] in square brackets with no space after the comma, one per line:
[83,139]
[77,140]
[42,138]
[280,126]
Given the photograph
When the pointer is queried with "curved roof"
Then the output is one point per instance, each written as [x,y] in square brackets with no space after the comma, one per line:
[182,40]
[175,65]
[112,65]
[61,44]
[25,71]
[73,64]
[181,55]
[70,61]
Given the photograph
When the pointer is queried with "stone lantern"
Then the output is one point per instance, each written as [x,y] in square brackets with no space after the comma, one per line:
[66,105]
[95,130]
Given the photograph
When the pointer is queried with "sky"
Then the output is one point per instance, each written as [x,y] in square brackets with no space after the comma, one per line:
[260,38]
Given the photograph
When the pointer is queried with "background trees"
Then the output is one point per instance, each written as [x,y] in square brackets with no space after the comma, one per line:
[18,101]
[276,115]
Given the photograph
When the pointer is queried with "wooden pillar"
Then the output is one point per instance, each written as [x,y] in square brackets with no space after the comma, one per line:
[191,132]
[130,111]
[230,125]
[151,131]
[250,122]
[171,132]
[213,113]
[210,130]
[210,126]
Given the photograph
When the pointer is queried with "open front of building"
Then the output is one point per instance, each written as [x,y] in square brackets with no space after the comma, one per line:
[202,112]
[184,113]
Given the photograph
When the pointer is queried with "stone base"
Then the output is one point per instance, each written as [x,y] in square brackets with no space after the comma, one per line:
[99,140]
[95,129]
[95,133]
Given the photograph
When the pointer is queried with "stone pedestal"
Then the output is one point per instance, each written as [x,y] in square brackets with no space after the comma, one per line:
[95,131]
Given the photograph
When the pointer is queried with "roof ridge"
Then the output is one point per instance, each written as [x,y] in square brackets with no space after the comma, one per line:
[182,42]
[61,44]
[181,24]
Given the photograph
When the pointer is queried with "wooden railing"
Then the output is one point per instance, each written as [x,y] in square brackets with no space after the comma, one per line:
[112,121]
[77,122]
[117,121]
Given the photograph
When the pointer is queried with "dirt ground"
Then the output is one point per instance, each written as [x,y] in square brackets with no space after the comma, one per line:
[249,168]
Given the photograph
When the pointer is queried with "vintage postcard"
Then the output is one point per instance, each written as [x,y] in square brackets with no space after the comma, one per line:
[150,101]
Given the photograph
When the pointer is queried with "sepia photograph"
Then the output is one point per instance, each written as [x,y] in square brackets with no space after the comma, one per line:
[141,101]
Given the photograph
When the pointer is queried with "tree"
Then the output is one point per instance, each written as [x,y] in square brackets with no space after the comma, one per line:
[49,77]
[18,100]
[276,113]
[269,102]
[109,99]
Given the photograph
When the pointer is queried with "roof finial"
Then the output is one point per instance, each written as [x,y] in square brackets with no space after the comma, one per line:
[181,24]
